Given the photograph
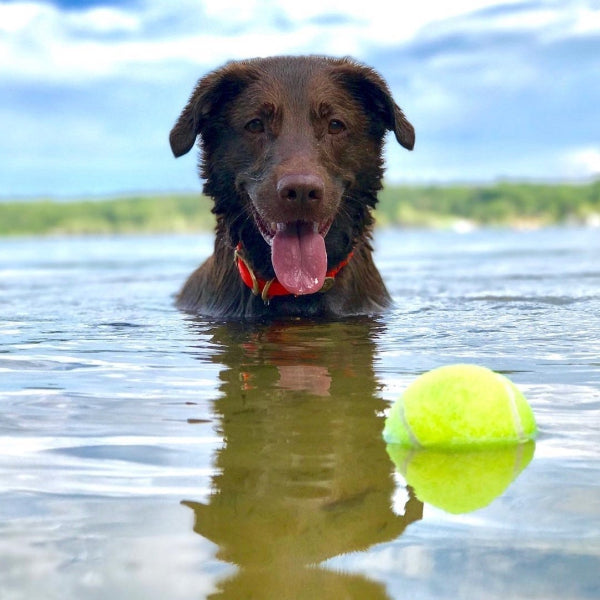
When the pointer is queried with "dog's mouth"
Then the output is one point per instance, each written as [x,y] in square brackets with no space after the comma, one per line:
[298,253]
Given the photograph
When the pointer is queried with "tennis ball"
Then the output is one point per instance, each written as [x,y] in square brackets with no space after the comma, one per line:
[461,481]
[460,405]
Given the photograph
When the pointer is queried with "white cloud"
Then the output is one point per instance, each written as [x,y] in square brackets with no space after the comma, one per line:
[21,15]
[535,18]
[583,162]
[45,43]
[585,19]
[104,20]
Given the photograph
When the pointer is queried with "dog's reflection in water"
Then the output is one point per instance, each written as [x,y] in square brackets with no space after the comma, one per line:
[303,474]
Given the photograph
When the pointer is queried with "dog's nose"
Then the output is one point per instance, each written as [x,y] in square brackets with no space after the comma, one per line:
[301,188]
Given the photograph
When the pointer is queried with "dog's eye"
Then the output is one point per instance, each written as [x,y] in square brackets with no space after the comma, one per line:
[255,126]
[336,126]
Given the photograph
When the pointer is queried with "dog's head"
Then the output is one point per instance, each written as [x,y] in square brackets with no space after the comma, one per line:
[292,157]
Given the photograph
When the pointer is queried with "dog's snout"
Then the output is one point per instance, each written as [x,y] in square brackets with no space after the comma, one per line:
[301,188]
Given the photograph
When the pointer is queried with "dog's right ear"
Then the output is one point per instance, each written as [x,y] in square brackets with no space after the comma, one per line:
[210,94]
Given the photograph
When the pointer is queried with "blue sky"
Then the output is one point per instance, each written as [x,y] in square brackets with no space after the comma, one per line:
[495,89]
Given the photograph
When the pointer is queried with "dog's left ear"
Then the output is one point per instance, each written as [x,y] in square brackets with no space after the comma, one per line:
[368,87]
[211,93]
[403,130]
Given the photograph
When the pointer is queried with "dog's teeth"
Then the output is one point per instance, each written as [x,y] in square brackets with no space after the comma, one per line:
[280,226]
[315,227]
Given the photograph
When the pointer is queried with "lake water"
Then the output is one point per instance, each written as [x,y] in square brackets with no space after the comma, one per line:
[148,454]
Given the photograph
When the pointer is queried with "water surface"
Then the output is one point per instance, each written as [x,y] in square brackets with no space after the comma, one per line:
[145,453]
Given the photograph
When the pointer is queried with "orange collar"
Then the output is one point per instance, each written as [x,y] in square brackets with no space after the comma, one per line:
[267,289]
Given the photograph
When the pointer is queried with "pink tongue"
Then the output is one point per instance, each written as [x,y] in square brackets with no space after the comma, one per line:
[299,258]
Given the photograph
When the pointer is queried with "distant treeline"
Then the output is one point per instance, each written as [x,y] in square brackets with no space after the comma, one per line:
[137,214]
[501,204]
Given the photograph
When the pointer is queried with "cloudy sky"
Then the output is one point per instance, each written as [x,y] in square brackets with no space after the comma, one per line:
[495,89]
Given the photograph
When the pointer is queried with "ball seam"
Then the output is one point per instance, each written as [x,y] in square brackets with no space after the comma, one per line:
[514,410]
[413,438]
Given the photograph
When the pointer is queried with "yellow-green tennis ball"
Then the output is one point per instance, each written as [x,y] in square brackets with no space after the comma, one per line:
[460,405]
[460,481]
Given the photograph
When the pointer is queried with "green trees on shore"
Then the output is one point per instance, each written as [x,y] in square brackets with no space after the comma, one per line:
[512,204]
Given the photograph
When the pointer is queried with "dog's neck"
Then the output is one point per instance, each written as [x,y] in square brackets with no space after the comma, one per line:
[270,288]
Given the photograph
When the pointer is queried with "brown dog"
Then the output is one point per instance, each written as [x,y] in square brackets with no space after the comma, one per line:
[292,157]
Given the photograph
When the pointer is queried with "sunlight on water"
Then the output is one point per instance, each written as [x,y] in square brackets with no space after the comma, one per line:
[148,453]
